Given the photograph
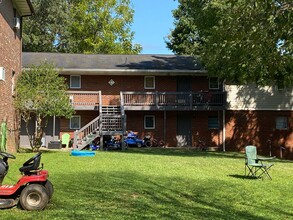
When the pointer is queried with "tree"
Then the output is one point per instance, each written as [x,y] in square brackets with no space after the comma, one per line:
[41,92]
[81,26]
[239,40]
[44,31]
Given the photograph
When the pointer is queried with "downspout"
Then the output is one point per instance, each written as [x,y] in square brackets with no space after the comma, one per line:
[54,124]
[224,131]
[224,118]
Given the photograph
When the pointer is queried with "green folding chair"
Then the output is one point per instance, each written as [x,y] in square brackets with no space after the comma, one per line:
[254,164]
[65,139]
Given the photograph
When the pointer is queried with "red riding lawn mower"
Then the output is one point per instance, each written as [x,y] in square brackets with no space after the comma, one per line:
[33,190]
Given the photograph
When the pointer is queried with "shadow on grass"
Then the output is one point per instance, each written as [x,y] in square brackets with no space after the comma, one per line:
[191,153]
[182,152]
[131,195]
[243,177]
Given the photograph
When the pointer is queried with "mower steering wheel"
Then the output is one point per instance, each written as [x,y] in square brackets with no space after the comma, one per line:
[32,159]
[4,154]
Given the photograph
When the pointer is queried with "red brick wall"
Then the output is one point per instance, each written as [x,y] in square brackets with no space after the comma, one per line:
[256,127]
[212,137]
[135,119]
[135,83]
[10,59]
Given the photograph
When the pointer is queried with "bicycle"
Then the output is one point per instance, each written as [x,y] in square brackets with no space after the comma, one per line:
[153,142]
[200,144]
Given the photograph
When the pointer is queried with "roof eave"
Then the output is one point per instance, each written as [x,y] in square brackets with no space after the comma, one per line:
[67,71]
[79,71]
[24,7]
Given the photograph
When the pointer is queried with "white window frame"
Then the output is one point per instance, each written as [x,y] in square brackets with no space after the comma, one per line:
[75,87]
[145,82]
[282,123]
[70,123]
[218,84]
[154,121]
[2,73]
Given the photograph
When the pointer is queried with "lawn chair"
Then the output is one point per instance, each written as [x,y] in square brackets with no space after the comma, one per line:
[254,164]
[65,139]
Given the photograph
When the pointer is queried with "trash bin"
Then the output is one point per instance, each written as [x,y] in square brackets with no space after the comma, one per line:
[54,145]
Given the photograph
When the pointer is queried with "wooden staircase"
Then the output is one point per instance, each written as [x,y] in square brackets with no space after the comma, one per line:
[110,121]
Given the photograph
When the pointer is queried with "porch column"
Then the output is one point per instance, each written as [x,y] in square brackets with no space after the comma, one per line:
[54,129]
[165,118]
[224,131]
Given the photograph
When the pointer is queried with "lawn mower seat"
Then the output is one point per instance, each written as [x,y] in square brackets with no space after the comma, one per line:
[31,164]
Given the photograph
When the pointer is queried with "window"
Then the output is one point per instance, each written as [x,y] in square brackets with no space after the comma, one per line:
[2,73]
[149,122]
[149,82]
[75,82]
[213,122]
[75,122]
[281,123]
[214,83]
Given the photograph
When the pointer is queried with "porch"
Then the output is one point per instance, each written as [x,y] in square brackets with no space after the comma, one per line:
[203,100]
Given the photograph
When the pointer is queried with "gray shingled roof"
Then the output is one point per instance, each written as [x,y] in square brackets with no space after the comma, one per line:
[115,62]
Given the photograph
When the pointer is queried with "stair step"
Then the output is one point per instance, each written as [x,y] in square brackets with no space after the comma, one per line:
[111,110]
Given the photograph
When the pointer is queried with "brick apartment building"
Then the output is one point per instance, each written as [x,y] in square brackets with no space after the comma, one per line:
[168,97]
[11,14]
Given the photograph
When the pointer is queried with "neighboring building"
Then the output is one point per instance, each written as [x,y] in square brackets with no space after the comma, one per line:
[11,14]
[168,97]
[262,116]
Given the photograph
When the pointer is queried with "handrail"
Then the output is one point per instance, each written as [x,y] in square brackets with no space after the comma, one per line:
[89,128]
[83,92]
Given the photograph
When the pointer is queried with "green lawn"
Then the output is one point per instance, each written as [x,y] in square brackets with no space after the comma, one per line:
[158,184]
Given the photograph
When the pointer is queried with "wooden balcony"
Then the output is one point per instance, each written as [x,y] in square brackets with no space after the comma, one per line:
[173,100]
[87,100]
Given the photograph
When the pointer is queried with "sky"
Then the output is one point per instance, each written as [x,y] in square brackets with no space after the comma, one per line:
[153,21]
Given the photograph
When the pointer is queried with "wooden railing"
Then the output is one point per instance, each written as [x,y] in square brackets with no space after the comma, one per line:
[112,123]
[85,99]
[160,100]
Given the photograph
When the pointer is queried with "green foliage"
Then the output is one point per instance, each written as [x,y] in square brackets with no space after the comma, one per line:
[46,30]
[239,40]
[86,26]
[158,184]
[41,92]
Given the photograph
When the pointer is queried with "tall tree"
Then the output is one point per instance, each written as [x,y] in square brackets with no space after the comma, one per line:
[41,93]
[240,40]
[42,32]
[81,26]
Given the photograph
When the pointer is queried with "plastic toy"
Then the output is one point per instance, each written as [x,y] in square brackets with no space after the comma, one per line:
[133,140]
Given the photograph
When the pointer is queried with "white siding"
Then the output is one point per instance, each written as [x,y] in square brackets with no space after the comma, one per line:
[251,97]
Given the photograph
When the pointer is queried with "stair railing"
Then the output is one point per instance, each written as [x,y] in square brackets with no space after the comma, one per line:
[81,135]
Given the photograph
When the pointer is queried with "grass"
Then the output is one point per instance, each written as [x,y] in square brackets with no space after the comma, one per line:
[158,184]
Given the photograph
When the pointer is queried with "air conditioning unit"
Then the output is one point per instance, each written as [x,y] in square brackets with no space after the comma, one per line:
[16,23]
[2,73]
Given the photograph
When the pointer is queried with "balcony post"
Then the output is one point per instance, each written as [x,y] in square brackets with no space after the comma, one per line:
[75,140]
[157,99]
[190,100]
